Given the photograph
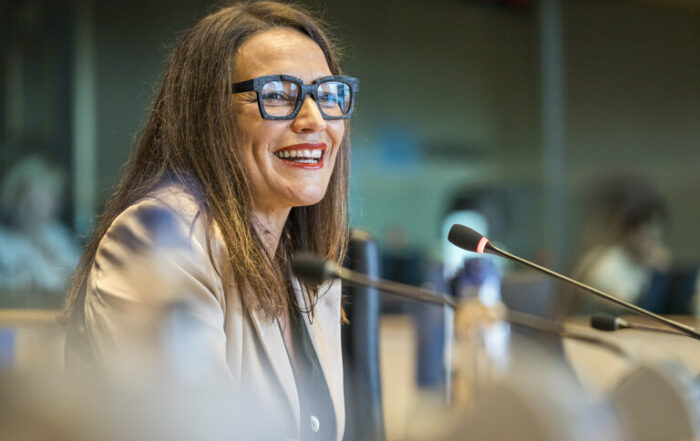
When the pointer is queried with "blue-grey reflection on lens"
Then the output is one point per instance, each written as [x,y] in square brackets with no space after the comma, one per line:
[280,97]
[334,98]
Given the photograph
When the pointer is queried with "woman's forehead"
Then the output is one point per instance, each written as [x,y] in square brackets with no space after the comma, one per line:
[280,51]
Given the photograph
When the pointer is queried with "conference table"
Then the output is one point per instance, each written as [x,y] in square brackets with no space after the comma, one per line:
[599,370]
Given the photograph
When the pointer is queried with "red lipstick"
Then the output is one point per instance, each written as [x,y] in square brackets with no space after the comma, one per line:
[308,155]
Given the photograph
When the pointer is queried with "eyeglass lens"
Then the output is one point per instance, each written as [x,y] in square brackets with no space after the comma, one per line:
[280,97]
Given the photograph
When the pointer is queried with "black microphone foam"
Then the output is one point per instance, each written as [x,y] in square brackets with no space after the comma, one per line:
[308,266]
[467,239]
[604,322]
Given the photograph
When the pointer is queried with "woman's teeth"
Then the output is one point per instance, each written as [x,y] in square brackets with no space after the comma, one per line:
[303,156]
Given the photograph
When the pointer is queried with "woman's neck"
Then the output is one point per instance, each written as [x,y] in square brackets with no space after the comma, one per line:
[269,225]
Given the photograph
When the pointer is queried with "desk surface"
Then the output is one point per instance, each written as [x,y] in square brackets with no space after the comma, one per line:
[11,318]
[599,369]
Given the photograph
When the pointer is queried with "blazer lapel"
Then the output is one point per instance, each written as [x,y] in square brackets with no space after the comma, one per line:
[314,328]
[273,345]
[324,332]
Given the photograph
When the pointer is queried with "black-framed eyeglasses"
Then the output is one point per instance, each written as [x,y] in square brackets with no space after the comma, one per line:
[281,96]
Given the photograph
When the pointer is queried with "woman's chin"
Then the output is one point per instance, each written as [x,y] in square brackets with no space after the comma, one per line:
[308,202]
[307,199]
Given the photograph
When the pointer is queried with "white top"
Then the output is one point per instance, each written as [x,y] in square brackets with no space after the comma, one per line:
[613,270]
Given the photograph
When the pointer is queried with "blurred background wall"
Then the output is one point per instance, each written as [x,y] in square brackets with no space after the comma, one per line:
[535,99]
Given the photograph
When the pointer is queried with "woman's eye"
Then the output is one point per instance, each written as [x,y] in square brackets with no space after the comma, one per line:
[277,99]
[328,99]
[273,96]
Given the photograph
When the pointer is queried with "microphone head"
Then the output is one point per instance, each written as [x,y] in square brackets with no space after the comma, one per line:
[308,266]
[467,239]
[604,322]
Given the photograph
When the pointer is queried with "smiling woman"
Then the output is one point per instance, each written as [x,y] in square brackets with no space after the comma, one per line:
[242,163]
[296,177]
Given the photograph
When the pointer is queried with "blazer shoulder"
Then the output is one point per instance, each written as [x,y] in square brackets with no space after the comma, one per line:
[156,251]
[163,230]
[168,217]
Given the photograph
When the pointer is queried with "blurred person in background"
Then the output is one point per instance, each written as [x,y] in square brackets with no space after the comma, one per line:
[623,246]
[242,163]
[37,252]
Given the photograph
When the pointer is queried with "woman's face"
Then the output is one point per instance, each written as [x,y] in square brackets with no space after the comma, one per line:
[278,180]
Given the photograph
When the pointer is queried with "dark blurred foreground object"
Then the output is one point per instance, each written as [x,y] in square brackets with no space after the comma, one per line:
[360,340]
[405,264]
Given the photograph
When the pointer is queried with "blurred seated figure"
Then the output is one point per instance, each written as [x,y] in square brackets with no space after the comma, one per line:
[623,244]
[37,252]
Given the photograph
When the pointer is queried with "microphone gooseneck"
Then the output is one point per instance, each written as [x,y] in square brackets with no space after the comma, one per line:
[466,238]
[310,267]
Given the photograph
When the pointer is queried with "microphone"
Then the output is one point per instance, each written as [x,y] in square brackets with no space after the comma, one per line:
[609,323]
[310,267]
[470,240]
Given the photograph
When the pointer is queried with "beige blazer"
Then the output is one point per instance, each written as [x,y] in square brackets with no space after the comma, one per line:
[156,252]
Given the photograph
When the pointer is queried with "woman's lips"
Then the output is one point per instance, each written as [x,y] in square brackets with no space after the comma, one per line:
[308,155]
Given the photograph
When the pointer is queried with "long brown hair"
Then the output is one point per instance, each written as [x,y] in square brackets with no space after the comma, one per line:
[190,139]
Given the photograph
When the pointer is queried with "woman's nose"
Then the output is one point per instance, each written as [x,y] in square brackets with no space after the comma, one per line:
[309,118]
